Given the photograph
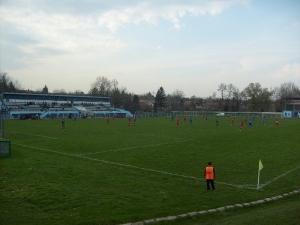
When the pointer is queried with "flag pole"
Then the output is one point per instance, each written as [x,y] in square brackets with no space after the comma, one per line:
[260,166]
[258,180]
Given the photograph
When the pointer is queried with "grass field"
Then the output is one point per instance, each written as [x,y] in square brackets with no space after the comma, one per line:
[98,173]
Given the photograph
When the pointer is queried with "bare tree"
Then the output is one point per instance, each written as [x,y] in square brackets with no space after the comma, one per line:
[59,91]
[289,89]
[176,100]
[236,99]
[102,86]
[259,98]
[285,90]
[8,83]
[77,92]
[18,85]
[114,84]
[39,90]
[227,91]
[179,94]
[222,87]
[230,90]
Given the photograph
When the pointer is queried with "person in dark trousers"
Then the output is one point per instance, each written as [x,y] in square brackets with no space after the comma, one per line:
[209,174]
[191,120]
[63,125]
[250,123]
[134,119]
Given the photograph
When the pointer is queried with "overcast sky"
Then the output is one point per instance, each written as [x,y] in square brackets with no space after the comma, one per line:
[190,45]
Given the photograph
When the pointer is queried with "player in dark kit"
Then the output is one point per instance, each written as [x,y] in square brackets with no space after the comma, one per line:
[250,123]
[63,124]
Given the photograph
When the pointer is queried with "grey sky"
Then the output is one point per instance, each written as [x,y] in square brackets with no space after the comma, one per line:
[188,45]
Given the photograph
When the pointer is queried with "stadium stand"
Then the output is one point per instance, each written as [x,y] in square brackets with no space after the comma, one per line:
[39,106]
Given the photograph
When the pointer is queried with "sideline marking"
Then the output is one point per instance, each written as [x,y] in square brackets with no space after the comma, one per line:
[123,149]
[246,186]
[135,167]
[32,135]
[31,140]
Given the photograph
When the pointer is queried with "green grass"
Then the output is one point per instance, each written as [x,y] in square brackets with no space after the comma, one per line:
[284,211]
[95,173]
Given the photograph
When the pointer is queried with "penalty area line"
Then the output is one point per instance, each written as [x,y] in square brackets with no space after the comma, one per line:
[129,148]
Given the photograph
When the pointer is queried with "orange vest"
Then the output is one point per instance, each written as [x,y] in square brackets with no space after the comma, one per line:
[209,175]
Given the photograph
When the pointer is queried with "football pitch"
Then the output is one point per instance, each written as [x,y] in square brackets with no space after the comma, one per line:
[99,173]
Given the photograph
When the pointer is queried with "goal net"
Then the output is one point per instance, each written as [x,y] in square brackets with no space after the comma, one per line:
[272,114]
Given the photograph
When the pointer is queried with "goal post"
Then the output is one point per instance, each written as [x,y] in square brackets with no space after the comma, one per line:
[272,114]
[254,115]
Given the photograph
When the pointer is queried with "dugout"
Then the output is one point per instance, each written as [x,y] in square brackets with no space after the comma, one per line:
[29,116]
[287,114]
[120,115]
[4,148]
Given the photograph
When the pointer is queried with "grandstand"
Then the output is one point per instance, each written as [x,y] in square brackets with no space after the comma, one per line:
[39,106]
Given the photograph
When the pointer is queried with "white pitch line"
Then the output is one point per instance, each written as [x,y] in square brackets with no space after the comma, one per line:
[124,165]
[158,171]
[245,186]
[33,135]
[108,162]
[123,149]
[276,178]
[31,140]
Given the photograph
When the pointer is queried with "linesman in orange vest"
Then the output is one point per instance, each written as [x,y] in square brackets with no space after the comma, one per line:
[209,174]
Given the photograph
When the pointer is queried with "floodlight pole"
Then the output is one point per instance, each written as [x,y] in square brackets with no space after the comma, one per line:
[222,99]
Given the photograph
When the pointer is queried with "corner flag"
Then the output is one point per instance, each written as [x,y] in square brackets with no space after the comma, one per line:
[260,165]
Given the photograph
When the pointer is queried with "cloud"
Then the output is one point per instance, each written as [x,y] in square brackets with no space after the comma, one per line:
[80,28]
[38,34]
[117,13]
[250,65]
[288,72]
[173,12]
[63,31]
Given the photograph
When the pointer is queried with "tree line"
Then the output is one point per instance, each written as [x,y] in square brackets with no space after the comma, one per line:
[252,98]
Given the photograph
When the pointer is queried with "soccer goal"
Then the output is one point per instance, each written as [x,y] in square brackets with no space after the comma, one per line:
[272,114]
